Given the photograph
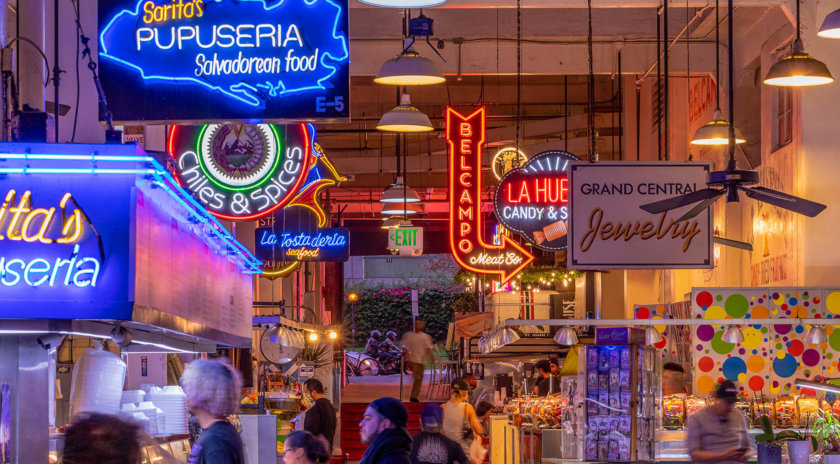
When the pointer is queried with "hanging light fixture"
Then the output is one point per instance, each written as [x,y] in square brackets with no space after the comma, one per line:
[409,68]
[566,336]
[397,209]
[716,131]
[390,222]
[405,118]
[830,28]
[798,69]
[399,193]
[404,3]
[733,334]
[652,336]
[507,335]
[816,335]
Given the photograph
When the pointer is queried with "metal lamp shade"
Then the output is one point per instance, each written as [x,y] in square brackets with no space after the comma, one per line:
[400,209]
[652,336]
[391,222]
[830,28]
[566,336]
[798,69]
[733,334]
[507,335]
[405,118]
[482,345]
[716,132]
[410,68]
[816,335]
[398,193]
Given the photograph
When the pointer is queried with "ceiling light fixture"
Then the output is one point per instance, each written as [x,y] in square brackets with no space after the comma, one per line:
[817,385]
[733,335]
[798,69]
[716,131]
[399,193]
[816,335]
[405,118]
[409,68]
[400,210]
[566,336]
[404,3]
[830,28]
[652,336]
[390,222]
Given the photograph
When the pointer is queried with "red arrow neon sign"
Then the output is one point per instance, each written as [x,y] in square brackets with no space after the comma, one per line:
[465,137]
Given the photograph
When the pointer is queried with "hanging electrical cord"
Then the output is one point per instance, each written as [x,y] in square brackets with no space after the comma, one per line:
[76,70]
[666,91]
[518,70]
[688,68]
[591,85]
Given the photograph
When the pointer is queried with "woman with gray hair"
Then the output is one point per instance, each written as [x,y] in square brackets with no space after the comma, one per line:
[213,389]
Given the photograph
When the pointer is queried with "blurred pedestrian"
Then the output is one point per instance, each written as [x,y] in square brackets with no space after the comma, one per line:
[460,422]
[419,346]
[213,389]
[432,447]
[383,429]
[302,447]
[102,439]
[543,384]
[673,379]
[320,418]
[718,432]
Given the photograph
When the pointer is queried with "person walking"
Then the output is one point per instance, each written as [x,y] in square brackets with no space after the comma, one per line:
[302,447]
[213,389]
[460,423]
[419,346]
[431,446]
[104,439]
[718,432]
[320,418]
[383,429]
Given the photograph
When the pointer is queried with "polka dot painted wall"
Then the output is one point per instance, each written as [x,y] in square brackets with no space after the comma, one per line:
[771,356]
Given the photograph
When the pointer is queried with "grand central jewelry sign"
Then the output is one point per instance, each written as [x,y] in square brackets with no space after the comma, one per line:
[182,60]
[609,230]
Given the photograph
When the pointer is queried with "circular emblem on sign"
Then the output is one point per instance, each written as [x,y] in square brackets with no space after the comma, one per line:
[533,201]
[238,157]
[507,159]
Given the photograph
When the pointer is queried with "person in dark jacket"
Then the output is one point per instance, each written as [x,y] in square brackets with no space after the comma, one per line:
[383,429]
[431,446]
[320,418]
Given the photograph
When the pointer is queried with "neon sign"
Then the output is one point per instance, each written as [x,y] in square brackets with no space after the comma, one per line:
[242,172]
[238,59]
[294,235]
[533,201]
[465,138]
[507,159]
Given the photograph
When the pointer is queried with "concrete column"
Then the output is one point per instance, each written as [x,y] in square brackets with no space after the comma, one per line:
[32,71]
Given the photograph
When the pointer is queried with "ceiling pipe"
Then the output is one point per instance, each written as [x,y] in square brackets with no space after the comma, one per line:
[697,15]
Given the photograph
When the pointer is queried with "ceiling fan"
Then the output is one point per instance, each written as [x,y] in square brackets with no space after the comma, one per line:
[732,181]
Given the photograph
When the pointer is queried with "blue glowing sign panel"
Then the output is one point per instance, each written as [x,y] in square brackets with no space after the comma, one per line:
[187,60]
[64,251]
[294,235]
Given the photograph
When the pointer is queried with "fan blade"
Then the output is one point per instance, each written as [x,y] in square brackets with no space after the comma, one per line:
[732,243]
[683,200]
[783,200]
[701,206]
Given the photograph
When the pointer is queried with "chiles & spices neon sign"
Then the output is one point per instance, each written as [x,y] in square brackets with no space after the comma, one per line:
[25,225]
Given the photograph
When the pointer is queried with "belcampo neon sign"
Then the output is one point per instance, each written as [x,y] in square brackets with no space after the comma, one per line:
[26,224]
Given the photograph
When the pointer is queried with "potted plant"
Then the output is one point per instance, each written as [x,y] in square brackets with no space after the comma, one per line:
[827,433]
[769,444]
[800,445]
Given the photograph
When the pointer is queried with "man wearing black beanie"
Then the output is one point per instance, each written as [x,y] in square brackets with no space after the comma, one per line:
[383,429]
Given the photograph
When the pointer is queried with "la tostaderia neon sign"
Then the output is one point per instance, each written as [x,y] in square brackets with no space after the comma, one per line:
[27,226]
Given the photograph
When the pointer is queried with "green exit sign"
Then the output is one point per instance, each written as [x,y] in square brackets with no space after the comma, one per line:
[407,240]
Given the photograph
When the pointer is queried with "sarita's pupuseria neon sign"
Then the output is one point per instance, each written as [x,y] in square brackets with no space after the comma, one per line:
[20,222]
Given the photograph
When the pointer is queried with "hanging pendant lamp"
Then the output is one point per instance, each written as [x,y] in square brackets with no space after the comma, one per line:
[830,28]
[396,209]
[816,335]
[733,334]
[404,3]
[566,336]
[716,131]
[409,68]
[798,69]
[652,336]
[405,118]
[399,193]
[390,222]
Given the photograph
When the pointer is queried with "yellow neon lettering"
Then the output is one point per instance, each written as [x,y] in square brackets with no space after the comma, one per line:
[20,209]
[45,223]
[10,198]
[75,220]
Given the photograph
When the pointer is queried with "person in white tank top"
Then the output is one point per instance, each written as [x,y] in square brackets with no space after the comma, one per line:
[460,423]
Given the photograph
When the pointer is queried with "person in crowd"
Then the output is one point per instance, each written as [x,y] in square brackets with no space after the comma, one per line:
[373,342]
[673,379]
[103,439]
[477,393]
[213,388]
[419,346]
[302,447]
[483,410]
[432,447]
[320,419]
[554,364]
[543,384]
[383,429]
[458,412]
[718,433]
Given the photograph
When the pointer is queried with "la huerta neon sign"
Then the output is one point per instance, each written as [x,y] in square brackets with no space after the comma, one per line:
[253,54]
